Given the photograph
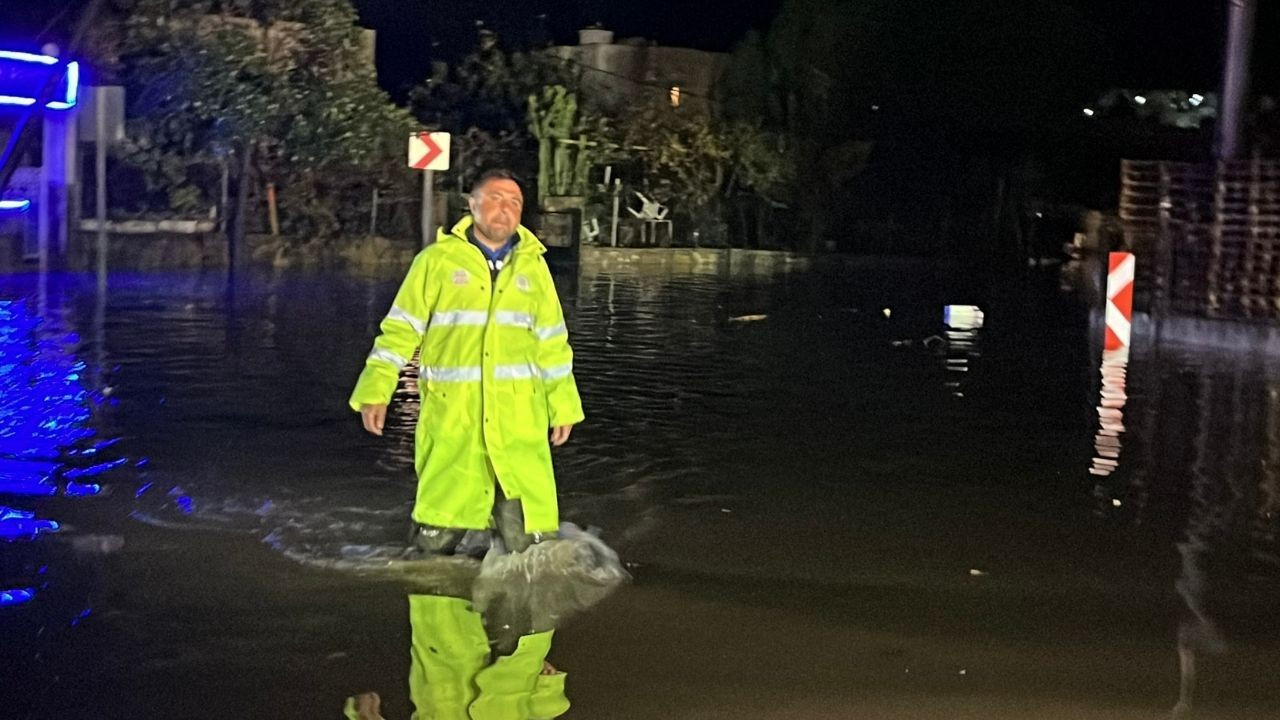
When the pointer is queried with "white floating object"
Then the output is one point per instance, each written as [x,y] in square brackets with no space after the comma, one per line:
[748,318]
[887,312]
[962,317]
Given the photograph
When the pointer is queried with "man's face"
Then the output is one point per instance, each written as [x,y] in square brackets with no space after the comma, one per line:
[496,207]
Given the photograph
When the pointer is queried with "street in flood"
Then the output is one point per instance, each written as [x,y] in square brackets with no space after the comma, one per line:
[858,490]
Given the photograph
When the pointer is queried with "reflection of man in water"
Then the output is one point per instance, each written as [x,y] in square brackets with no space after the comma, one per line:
[456,673]
[496,376]
[481,634]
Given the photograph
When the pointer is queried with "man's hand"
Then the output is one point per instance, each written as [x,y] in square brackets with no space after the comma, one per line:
[560,435]
[375,417]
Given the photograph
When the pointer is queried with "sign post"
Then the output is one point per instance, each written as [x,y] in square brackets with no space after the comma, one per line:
[1119,307]
[428,151]
[102,122]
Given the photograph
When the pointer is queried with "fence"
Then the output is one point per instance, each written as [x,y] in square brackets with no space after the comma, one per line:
[1210,235]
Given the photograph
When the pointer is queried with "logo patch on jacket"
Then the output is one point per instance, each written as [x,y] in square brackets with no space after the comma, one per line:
[522,282]
[461,277]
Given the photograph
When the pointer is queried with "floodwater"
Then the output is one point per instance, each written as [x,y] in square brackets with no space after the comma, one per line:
[833,503]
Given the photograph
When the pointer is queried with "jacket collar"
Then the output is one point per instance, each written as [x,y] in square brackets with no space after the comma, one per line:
[529,243]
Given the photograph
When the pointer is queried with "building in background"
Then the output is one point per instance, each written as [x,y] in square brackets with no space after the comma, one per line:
[634,72]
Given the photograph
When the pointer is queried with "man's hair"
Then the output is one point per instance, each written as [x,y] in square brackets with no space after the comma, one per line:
[498,173]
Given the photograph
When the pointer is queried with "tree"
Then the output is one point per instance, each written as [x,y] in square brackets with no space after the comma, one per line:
[937,87]
[268,90]
[488,89]
[533,105]
[682,154]
[693,161]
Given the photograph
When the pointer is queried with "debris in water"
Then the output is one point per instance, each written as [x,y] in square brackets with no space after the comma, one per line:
[748,318]
[725,510]
[977,573]
[96,544]
[887,312]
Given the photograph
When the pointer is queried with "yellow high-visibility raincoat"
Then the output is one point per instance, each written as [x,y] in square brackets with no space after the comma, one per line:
[451,676]
[496,374]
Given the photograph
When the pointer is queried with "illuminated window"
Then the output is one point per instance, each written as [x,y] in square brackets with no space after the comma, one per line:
[675,96]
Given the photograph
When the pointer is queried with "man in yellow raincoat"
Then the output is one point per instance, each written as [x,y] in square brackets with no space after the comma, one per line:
[496,376]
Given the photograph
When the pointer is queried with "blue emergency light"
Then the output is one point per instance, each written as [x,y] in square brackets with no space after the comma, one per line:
[24,76]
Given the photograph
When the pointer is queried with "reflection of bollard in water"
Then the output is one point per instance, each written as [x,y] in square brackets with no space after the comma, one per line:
[1112,398]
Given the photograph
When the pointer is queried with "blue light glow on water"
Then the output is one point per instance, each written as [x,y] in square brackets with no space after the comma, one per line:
[16,596]
[23,525]
[43,406]
[26,480]
[75,489]
[94,470]
[45,410]
[99,447]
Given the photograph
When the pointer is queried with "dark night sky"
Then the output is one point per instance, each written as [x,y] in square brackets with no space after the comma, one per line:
[410,32]
[1154,43]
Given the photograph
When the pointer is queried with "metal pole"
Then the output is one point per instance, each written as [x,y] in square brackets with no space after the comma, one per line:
[428,207]
[43,203]
[69,182]
[224,195]
[613,232]
[1235,76]
[100,326]
[100,191]
[100,169]
[273,215]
